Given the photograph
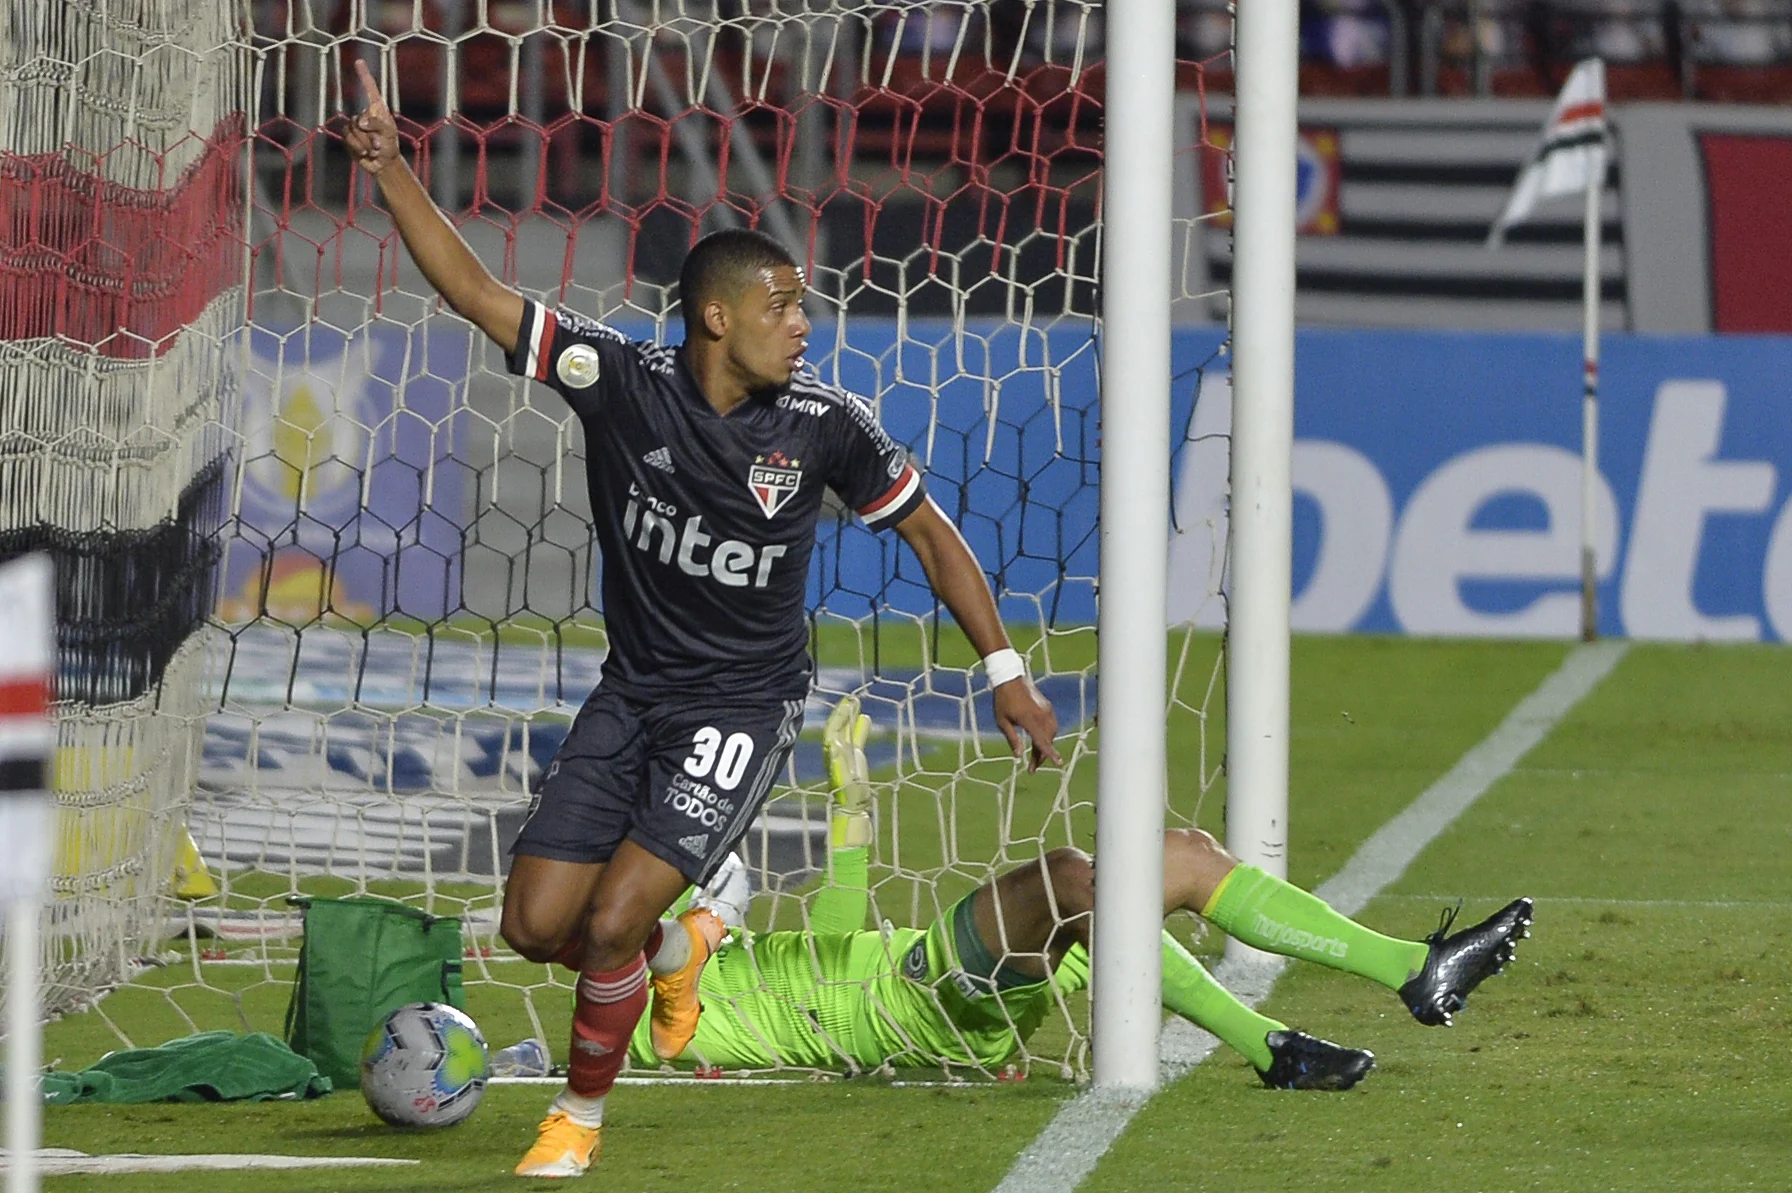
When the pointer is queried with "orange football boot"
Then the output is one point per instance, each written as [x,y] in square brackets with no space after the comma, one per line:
[563,1148]
[673,1019]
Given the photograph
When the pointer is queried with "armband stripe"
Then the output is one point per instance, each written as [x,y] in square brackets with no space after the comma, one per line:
[893,500]
[548,325]
[532,359]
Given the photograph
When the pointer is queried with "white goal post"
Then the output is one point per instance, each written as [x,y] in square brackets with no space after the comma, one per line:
[1137,246]
[1135,527]
[1267,55]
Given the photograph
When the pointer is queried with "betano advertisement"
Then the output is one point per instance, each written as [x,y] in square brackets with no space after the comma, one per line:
[1437,482]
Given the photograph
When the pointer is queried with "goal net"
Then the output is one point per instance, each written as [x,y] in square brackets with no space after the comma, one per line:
[327,571]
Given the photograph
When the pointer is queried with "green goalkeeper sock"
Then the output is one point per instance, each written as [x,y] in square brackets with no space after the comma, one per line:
[1266,913]
[1192,992]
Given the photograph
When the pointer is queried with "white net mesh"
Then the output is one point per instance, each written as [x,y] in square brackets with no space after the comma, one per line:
[406,617]
[121,245]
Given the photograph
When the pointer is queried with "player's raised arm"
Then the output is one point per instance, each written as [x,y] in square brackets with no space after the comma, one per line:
[450,266]
[958,581]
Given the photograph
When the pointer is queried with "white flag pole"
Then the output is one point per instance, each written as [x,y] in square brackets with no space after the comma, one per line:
[24,1047]
[1589,426]
[27,740]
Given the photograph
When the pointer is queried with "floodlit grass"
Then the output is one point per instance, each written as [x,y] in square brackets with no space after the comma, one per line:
[789,1139]
[1638,1043]
[1632,1047]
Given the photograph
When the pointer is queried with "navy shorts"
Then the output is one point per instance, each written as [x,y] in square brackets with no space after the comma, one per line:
[682,778]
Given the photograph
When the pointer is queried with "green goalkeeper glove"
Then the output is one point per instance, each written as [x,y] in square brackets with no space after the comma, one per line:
[843,743]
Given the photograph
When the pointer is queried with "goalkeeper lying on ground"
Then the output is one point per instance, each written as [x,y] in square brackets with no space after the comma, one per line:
[971,988]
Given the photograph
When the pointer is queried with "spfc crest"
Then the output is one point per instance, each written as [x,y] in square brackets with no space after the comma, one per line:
[773,480]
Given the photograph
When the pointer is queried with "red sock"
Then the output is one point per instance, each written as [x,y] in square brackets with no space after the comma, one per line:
[609,1006]
[573,955]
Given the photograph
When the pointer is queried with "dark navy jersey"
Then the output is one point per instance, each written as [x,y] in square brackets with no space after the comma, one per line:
[706,522]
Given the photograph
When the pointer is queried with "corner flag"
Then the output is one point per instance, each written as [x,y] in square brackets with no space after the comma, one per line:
[1571,156]
[1571,159]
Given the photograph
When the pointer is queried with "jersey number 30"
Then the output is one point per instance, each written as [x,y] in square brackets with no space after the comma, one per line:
[727,758]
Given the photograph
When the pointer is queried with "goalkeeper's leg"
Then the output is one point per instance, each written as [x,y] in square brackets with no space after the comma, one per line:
[1038,911]
[1267,913]
[1433,976]
[1040,914]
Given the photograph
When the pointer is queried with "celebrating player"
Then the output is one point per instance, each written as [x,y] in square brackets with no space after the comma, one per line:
[706,466]
[971,988]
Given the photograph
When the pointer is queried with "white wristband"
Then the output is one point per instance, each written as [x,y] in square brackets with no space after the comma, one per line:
[1003,665]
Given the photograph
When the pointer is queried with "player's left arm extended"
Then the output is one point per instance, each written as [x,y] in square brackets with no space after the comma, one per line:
[959,583]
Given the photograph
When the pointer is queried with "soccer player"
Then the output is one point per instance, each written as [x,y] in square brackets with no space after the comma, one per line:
[706,465]
[972,987]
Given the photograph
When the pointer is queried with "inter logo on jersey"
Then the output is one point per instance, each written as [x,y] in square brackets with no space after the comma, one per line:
[773,480]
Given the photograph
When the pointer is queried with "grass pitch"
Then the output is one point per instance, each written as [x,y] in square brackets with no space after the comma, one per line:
[1638,1043]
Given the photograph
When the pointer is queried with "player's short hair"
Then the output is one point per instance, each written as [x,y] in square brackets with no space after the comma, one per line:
[720,264]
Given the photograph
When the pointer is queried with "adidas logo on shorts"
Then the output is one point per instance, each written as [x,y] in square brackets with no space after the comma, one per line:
[660,458]
[697,844]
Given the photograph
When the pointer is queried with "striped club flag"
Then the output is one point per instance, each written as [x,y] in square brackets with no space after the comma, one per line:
[1571,155]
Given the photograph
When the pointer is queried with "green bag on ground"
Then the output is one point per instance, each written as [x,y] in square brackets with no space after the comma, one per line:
[363,959]
[213,1066]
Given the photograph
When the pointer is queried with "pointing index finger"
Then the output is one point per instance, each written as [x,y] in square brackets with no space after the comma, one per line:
[376,103]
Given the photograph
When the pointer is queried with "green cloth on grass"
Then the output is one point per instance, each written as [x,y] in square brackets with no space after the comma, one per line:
[213,1066]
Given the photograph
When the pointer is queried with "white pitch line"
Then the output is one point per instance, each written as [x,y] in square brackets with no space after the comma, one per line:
[1070,1146]
[1594,901]
[55,1161]
[821,1078]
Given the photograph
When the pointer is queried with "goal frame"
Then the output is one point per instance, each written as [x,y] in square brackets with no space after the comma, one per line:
[1267,90]
[1127,964]
[1127,968]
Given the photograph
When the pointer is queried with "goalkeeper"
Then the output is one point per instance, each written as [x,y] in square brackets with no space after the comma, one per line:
[971,988]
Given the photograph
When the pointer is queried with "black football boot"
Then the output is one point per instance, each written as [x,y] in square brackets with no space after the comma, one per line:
[1306,1062]
[1459,962]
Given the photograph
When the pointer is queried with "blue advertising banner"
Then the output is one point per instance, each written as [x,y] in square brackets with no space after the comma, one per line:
[1004,418]
[1437,480]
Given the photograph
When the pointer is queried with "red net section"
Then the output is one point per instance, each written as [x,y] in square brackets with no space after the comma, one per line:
[937,159]
[120,269]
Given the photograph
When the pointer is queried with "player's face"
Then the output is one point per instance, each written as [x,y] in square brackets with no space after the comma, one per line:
[770,329]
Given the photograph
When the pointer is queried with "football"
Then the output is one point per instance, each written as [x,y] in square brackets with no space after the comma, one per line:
[425,1066]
